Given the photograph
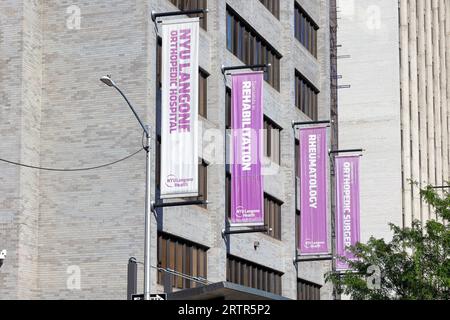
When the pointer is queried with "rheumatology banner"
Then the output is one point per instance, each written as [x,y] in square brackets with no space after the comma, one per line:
[313,191]
[179,108]
[247,195]
[347,207]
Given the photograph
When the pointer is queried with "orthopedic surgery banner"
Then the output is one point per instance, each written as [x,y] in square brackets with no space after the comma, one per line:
[313,191]
[247,200]
[347,207]
[179,108]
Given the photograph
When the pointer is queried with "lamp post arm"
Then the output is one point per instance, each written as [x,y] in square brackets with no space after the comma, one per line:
[147,133]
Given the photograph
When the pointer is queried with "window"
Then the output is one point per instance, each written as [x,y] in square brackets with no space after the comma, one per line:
[185,5]
[272,140]
[252,275]
[228,194]
[246,44]
[306,30]
[203,94]
[182,256]
[158,162]
[202,183]
[272,216]
[307,290]
[297,198]
[202,80]
[159,63]
[273,6]
[306,96]
[228,108]
[228,169]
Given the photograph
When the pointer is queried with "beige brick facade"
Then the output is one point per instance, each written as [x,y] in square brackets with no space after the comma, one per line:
[54,112]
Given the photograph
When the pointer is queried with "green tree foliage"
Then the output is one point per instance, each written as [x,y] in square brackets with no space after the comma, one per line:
[414,265]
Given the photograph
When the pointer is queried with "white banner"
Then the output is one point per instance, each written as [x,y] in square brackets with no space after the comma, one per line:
[179,114]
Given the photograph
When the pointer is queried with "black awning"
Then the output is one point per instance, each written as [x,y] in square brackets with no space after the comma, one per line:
[223,291]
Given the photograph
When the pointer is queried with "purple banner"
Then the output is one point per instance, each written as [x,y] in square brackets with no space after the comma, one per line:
[247,198]
[347,207]
[313,191]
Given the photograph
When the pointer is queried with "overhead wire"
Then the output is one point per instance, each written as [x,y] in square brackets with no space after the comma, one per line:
[71,170]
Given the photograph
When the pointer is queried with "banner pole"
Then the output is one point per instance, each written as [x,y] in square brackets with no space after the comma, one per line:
[333,223]
[297,238]
[148,211]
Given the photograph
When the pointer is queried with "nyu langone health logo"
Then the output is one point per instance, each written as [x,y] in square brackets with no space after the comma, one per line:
[173,182]
[314,244]
[241,212]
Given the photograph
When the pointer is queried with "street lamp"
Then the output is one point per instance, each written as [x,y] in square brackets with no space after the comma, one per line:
[147,267]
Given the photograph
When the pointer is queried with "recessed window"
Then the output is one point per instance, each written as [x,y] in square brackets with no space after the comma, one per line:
[272,216]
[203,94]
[272,140]
[307,290]
[246,44]
[252,275]
[306,96]
[158,162]
[228,194]
[185,5]
[202,183]
[228,105]
[186,258]
[273,6]
[305,30]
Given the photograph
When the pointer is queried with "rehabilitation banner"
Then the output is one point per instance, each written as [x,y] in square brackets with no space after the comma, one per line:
[313,191]
[347,207]
[247,197]
[179,108]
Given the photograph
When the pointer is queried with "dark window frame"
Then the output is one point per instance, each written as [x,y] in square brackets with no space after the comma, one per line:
[262,277]
[273,6]
[273,219]
[306,96]
[203,76]
[237,30]
[202,183]
[305,29]
[184,5]
[194,259]
[270,125]
[307,290]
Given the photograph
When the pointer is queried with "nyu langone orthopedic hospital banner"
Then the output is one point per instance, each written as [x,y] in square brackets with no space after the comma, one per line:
[313,191]
[179,108]
[247,198]
[347,207]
